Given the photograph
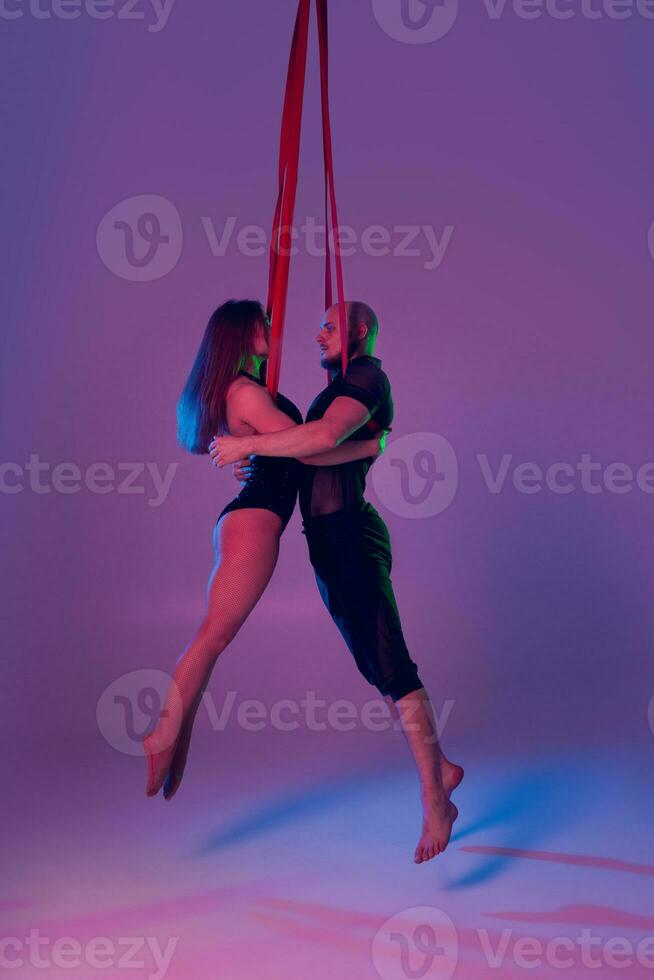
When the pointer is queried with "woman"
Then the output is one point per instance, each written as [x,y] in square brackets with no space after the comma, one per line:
[226,393]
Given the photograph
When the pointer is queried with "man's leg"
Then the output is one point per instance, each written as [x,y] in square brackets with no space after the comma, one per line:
[352,564]
[364,617]
[438,777]
[451,774]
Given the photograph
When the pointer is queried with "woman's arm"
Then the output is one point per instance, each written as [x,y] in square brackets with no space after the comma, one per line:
[253,405]
[343,417]
[347,452]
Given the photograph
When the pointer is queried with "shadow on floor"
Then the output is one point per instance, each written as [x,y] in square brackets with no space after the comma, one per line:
[529,806]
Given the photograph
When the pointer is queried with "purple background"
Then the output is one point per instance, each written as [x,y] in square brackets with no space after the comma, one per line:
[529,615]
[534,140]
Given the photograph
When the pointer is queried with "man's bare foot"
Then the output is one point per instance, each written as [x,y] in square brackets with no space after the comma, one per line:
[436,830]
[452,776]
[159,758]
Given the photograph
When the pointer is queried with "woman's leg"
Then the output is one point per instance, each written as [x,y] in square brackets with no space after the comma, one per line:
[247,548]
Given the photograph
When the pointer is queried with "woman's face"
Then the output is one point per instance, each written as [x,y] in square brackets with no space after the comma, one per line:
[262,339]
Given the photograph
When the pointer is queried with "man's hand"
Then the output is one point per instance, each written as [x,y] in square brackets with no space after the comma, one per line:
[380,439]
[227,449]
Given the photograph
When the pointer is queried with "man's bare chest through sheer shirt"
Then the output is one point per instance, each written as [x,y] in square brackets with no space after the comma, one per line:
[326,489]
[338,487]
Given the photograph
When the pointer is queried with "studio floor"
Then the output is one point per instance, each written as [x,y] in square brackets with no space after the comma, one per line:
[289,855]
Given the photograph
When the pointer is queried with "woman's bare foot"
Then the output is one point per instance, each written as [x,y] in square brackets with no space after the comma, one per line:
[436,830]
[178,763]
[176,771]
[452,776]
[159,755]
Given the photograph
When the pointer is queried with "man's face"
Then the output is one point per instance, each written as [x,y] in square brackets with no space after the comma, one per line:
[329,339]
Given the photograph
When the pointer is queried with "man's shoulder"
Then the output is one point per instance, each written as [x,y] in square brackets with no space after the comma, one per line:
[366,367]
[365,373]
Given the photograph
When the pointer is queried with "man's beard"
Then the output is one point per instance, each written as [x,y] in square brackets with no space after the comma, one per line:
[331,363]
[334,363]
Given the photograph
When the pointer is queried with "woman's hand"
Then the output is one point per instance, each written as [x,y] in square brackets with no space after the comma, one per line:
[228,449]
[242,469]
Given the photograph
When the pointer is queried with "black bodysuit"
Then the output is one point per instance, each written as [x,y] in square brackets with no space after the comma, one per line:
[273,481]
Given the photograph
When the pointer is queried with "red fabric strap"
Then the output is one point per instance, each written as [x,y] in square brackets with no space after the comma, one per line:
[289,152]
[330,191]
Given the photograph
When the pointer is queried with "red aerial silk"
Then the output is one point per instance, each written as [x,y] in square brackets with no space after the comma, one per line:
[289,154]
[330,192]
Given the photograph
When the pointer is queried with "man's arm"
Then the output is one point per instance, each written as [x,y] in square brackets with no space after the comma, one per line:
[343,417]
[349,452]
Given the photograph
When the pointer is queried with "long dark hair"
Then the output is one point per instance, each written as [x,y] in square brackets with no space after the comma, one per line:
[227,342]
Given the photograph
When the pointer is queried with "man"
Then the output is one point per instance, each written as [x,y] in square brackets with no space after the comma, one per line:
[350,550]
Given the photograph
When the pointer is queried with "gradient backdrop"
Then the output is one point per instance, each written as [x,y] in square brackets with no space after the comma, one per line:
[496,169]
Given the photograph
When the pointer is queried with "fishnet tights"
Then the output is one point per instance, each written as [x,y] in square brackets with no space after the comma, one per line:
[247,547]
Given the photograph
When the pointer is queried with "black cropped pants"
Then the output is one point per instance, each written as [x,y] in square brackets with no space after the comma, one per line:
[351,556]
